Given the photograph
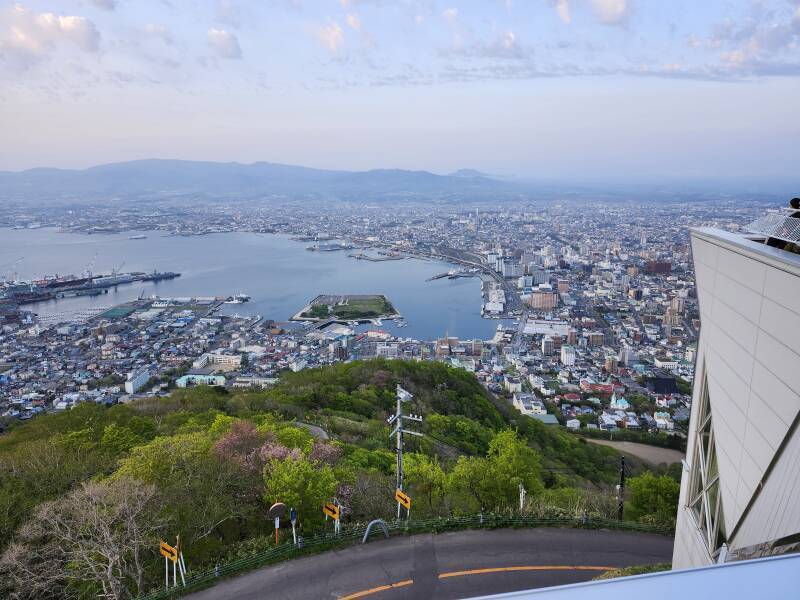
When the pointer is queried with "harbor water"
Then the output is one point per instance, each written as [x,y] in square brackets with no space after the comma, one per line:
[279,274]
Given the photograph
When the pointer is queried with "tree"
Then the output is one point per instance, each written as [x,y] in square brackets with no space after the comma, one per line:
[493,482]
[119,439]
[99,535]
[653,499]
[427,483]
[299,483]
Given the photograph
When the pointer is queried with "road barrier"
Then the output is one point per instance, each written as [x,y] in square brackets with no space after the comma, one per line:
[353,534]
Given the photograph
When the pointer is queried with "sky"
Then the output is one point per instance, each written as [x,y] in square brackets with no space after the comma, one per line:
[550,89]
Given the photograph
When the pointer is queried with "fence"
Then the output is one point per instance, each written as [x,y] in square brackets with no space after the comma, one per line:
[351,535]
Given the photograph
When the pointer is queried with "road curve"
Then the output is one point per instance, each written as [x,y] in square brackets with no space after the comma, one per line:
[448,565]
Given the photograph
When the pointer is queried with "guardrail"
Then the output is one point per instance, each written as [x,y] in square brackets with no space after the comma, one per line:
[351,535]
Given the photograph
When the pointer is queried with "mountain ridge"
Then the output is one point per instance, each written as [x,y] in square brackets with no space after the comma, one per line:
[170,176]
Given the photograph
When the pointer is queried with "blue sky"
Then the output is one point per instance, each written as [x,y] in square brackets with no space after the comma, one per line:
[580,89]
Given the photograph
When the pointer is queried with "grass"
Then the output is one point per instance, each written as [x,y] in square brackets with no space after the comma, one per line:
[635,570]
[355,308]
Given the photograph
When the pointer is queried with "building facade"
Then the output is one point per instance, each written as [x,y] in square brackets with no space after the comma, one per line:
[740,490]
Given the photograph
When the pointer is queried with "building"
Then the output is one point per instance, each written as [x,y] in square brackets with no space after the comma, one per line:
[543,300]
[567,355]
[668,364]
[739,487]
[656,266]
[224,362]
[136,381]
[193,379]
[528,404]
[595,338]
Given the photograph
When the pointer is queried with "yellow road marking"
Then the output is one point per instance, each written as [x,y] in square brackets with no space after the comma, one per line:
[380,588]
[383,588]
[524,568]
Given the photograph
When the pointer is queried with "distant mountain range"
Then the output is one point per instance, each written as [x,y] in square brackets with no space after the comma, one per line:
[155,177]
[210,181]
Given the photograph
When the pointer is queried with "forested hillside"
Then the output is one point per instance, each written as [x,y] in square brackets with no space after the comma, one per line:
[86,494]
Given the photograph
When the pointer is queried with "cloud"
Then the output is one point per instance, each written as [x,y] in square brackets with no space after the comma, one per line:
[105,4]
[331,36]
[611,12]
[607,12]
[562,9]
[158,31]
[224,43]
[28,34]
[228,12]
[758,44]
[450,14]
[354,22]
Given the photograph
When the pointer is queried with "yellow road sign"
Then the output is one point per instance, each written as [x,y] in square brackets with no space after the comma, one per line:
[403,499]
[168,551]
[331,510]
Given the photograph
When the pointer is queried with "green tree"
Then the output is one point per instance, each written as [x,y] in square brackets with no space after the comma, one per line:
[119,439]
[299,483]
[427,483]
[653,499]
[493,482]
[296,437]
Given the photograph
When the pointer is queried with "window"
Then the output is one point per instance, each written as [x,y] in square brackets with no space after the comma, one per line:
[705,501]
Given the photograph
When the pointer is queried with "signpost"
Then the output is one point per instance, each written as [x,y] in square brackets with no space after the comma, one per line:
[173,554]
[403,500]
[293,519]
[276,511]
[333,510]
[181,562]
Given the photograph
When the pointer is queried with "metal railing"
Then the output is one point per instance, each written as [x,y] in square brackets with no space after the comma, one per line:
[776,225]
[353,534]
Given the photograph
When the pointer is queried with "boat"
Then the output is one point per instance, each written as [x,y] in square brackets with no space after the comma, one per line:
[138,237]
[238,299]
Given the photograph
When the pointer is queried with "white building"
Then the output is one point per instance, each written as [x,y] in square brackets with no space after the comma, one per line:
[739,493]
[136,381]
[223,361]
[567,355]
[528,404]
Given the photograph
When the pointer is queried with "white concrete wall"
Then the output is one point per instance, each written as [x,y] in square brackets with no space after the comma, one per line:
[750,349]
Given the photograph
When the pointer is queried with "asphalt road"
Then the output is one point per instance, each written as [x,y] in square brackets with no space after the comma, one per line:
[449,565]
[651,454]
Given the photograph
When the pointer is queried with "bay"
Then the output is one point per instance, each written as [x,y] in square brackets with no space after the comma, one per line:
[278,273]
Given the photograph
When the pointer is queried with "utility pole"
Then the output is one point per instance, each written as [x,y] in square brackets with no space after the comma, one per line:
[398,418]
[621,490]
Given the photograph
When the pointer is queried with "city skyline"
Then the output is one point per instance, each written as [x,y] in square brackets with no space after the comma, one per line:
[565,90]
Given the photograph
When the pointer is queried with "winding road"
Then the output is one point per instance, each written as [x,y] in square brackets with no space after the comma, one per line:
[449,565]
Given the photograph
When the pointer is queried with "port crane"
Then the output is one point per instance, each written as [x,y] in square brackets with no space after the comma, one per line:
[10,269]
[88,270]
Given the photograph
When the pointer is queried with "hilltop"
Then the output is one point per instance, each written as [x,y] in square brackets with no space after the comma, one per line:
[207,464]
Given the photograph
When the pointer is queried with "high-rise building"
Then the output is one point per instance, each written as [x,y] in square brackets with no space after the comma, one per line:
[739,492]
[543,300]
[567,356]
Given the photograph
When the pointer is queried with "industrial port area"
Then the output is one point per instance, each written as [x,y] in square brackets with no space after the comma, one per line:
[52,287]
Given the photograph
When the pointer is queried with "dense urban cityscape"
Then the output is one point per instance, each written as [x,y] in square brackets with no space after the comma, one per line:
[597,310]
